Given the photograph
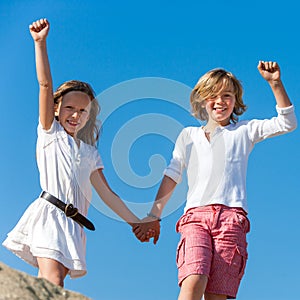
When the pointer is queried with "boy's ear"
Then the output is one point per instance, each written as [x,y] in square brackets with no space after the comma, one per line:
[202,104]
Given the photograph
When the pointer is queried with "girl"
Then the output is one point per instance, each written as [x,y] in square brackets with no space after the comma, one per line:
[212,251]
[50,234]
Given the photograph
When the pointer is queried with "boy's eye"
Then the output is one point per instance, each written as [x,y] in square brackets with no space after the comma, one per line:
[211,98]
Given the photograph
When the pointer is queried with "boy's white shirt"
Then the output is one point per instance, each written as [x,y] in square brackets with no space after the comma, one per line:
[216,170]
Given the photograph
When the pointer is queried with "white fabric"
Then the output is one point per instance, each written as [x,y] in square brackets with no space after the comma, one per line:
[216,170]
[44,230]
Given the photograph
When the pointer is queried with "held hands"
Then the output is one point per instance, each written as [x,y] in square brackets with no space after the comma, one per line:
[39,30]
[147,229]
[270,71]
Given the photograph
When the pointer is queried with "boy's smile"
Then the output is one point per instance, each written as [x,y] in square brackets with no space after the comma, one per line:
[220,107]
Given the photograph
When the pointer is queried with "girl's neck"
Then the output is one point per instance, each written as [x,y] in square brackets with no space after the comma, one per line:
[77,141]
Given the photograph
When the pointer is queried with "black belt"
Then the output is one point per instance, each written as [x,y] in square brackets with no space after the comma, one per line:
[69,210]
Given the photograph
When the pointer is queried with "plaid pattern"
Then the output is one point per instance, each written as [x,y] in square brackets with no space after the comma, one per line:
[213,243]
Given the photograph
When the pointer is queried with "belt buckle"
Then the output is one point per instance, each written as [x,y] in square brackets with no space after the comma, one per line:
[70,210]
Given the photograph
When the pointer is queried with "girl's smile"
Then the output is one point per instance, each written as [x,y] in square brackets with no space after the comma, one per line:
[73,111]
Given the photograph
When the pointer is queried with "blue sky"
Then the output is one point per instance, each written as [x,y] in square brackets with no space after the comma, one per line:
[123,48]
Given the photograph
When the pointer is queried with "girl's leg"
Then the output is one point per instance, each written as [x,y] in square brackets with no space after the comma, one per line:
[52,270]
[208,296]
[193,287]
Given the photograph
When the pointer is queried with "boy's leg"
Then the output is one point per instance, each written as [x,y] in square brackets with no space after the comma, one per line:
[194,254]
[230,252]
[193,287]
[208,296]
[52,270]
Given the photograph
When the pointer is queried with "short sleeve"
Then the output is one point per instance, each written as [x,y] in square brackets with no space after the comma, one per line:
[97,160]
[55,127]
[47,137]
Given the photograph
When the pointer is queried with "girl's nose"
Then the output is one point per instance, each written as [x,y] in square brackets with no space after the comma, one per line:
[76,114]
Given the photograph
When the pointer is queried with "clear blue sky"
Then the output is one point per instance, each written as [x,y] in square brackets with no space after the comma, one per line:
[108,43]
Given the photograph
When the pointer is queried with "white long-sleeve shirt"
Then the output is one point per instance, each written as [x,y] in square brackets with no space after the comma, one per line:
[216,170]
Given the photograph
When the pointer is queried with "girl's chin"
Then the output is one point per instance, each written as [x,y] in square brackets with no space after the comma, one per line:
[70,131]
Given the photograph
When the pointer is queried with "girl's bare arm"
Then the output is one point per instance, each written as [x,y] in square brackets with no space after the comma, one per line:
[39,32]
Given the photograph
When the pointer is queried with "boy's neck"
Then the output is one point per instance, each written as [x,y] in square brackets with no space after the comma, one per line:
[211,126]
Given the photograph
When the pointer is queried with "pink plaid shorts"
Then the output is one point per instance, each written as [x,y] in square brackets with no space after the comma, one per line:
[213,243]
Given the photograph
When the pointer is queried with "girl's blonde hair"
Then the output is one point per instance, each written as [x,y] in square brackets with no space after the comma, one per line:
[90,132]
[210,85]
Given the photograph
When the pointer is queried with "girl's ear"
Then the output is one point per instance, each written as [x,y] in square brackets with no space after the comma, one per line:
[56,109]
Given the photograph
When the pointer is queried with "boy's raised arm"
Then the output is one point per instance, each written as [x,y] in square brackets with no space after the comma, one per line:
[270,71]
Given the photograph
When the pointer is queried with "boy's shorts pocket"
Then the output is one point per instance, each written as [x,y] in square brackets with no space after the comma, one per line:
[238,262]
[180,253]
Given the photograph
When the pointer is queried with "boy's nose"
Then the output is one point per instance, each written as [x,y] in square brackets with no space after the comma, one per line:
[219,99]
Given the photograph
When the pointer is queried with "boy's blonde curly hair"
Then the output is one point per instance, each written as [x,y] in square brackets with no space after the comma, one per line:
[90,132]
[210,85]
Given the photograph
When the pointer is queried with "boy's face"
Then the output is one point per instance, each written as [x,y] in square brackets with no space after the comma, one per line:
[73,111]
[220,107]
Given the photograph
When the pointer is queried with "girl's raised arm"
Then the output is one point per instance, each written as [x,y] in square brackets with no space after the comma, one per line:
[39,31]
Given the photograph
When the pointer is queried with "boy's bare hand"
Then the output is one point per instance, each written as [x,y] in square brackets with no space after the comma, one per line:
[147,229]
[269,70]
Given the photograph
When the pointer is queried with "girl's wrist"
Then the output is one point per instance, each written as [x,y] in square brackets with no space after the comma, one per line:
[134,221]
[40,43]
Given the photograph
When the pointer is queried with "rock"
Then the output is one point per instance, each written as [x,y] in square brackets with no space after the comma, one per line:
[16,285]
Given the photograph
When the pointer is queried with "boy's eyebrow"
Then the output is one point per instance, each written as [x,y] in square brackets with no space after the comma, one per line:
[223,91]
[227,90]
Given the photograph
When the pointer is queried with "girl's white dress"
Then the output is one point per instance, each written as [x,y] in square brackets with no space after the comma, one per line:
[44,230]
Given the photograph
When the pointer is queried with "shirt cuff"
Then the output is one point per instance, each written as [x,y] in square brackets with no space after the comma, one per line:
[285,110]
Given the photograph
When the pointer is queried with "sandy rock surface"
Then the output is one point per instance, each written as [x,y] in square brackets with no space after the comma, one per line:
[16,285]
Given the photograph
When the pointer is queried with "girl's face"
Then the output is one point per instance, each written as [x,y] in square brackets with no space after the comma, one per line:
[220,107]
[73,111]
